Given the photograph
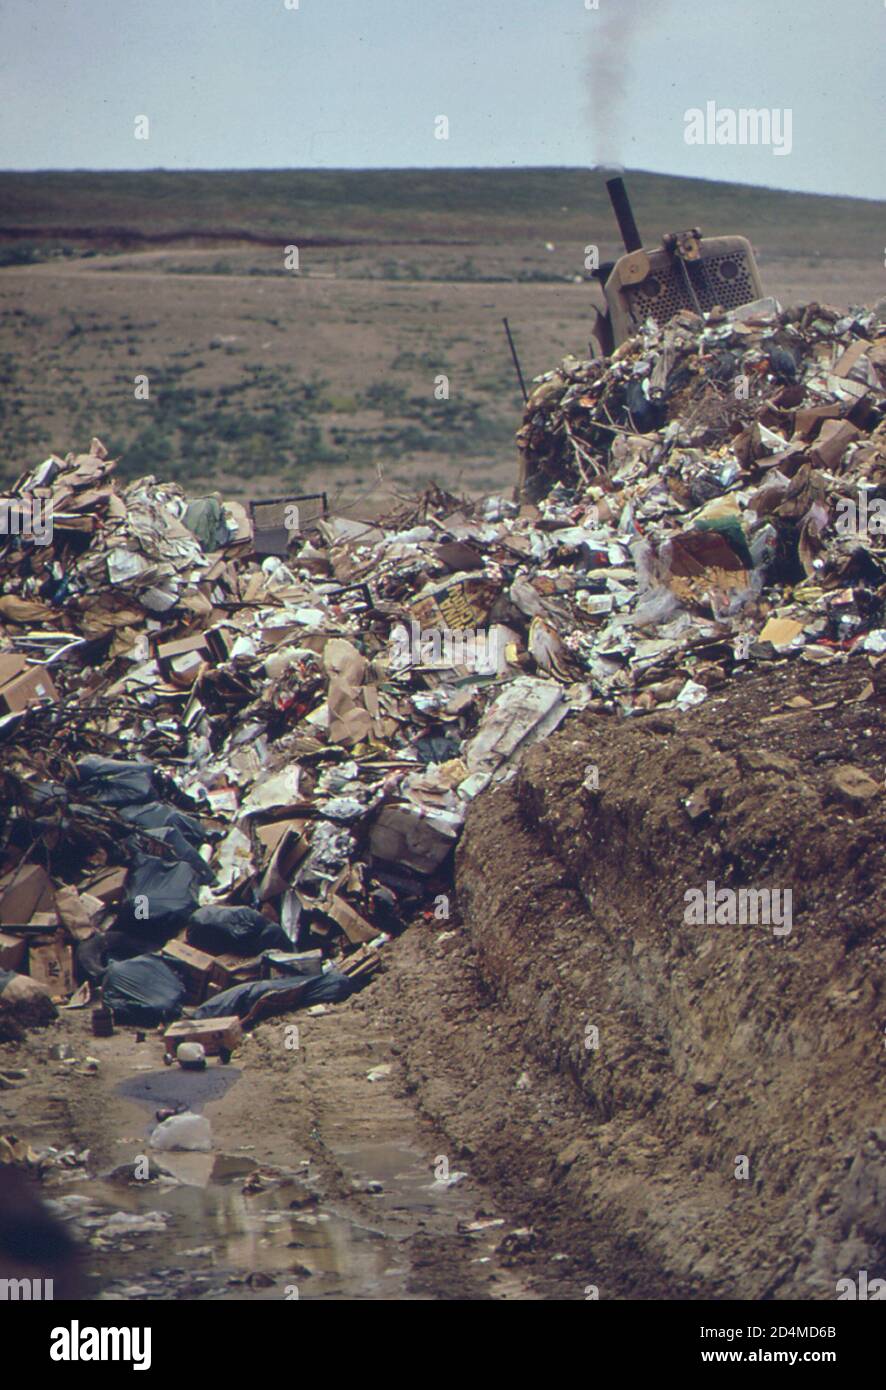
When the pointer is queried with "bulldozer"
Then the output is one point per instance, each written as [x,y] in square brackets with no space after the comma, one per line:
[688,271]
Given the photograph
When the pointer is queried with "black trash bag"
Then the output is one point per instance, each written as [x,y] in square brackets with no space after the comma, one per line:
[294,993]
[172,837]
[144,991]
[160,898]
[155,815]
[116,783]
[239,930]
[94,955]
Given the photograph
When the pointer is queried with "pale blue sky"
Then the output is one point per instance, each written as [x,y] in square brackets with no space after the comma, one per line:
[358,83]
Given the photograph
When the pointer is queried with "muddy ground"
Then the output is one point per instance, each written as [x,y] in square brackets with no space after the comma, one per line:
[638,1107]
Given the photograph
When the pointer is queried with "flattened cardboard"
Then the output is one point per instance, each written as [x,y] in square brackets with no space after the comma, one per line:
[355,927]
[167,650]
[108,885]
[11,665]
[32,685]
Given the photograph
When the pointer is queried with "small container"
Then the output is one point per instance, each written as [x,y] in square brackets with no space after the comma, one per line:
[102,1022]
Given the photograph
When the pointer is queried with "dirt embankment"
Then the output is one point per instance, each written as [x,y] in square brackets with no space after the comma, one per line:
[716,1136]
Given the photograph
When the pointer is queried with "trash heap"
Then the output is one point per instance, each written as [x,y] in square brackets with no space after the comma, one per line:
[712,494]
[227,776]
[234,761]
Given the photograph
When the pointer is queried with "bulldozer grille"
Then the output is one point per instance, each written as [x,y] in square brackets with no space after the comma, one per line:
[723,280]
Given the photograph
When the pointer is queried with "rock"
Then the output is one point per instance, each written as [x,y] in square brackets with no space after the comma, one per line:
[127,1172]
[863,1203]
[765,760]
[574,1150]
[853,787]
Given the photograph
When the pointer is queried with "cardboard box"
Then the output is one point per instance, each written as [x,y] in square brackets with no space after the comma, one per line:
[24,893]
[108,885]
[834,439]
[409,835]
[219,643]
[80,913]
[229,970]
[276,519]
[27,689]
[13,951]
[275,965]
[197,968]
[355,927]
[52,965]
[287,849]
[460,603]
[167,650]
[11,665]
[182,660]
[213,1033]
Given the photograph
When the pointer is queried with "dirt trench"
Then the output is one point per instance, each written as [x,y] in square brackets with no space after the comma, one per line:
[679,1110]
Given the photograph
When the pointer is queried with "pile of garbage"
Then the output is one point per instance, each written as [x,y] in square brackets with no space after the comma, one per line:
[229,771]
[712,494]
[235,758]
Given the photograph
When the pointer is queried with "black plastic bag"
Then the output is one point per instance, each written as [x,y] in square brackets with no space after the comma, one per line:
[172,828]
[294,993]
[144,991]
[116,783]
[239,930]
[155,815]
[160,898]
[94,955]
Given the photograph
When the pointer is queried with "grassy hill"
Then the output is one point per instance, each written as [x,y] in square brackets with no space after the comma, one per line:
[261,378]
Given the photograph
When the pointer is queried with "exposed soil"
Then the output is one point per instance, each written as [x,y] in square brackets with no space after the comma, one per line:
[713,1041]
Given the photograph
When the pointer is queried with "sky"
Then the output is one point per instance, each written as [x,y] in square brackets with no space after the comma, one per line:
[362,83]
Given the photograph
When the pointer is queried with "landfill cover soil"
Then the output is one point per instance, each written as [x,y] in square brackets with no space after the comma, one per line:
[474,897]
[712,1044]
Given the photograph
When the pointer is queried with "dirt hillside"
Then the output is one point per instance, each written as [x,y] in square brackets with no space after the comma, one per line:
[721,1050]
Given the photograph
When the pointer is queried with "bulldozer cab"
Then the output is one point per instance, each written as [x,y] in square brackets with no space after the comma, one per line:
[688,271]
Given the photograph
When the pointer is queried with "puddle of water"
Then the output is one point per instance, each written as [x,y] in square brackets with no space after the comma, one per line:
[215,1233]
[406,1176]
[218,1237]
[201,1235]
[408,1180]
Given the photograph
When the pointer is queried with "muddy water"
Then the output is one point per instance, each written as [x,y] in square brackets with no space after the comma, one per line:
[218,1226]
